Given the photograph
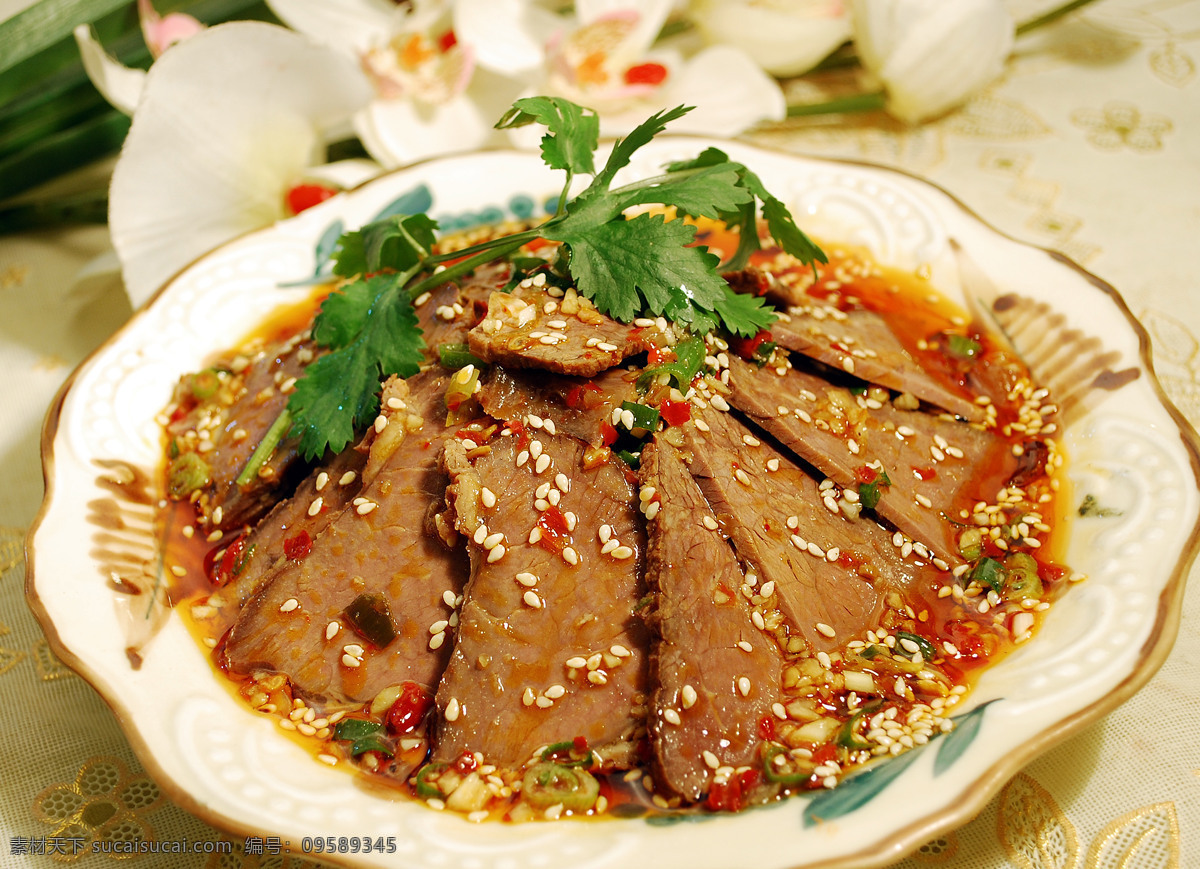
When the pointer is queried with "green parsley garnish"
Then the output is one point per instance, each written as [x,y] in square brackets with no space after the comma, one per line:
[640,264]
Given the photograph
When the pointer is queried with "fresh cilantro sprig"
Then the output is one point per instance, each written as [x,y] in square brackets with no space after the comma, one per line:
[627,258]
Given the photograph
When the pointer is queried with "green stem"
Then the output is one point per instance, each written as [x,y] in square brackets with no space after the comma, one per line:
[266,448]
[495,252]
[80,208]
[1052,15]
[842,105]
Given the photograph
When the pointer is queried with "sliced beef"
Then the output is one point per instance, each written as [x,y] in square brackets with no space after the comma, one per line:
[931,461]
[296,624]
[549,647]
[574,405]
[529,328]
[333,486]
[226,428]
[861,343]
[830,573]
[715,674]
[452,310]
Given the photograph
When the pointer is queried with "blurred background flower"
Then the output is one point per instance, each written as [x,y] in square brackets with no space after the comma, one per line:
[248,111]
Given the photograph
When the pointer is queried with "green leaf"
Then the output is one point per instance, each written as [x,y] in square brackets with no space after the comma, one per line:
[623,151]
[60,153]
[625,265]
[744,314]
[372,332]
[958,740]
[398,242]
[572,131]
[857,790]
[45,23]
[709,192]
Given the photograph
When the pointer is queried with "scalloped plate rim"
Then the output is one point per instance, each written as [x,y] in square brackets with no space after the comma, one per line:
[892,844]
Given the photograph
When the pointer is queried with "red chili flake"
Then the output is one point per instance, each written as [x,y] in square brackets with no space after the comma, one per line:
[1052,572]
[866,474]
[747,347]
[232,562]
[298,547]
[965,637]
[520,432]
[304,196]
[555,535]
[824,754]
[766,727]
[675,412]
[646,73]
[749,778]
[408,710]
[580,744]
[925,473]
[447,41]
[466,762]
[725,796]
[608,434]
[585,395]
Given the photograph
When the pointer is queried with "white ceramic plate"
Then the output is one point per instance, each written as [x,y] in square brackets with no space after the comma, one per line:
[234,768]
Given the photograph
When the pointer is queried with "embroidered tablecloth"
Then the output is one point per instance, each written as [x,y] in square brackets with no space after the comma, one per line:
[1089,144]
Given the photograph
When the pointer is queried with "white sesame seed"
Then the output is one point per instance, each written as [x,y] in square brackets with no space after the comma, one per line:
[672,717]
[826,629]
[453,709]
[743,686]
[532,600]
[570,555]
[288,605]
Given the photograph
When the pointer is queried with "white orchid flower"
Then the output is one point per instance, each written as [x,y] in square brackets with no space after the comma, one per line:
[430,98]
[605,57]
[120,85]
[785,37]
[229,122]
[930,56]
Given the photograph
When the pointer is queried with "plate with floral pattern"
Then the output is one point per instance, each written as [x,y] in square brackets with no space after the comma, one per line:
[95,565]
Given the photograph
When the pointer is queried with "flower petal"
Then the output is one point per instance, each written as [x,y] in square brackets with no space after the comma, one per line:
[784,38]
[932,56]
[652,15]
[508,36]
[730,93]
[352,26]
[118,84]
[396,132]
[228,119]
[160,33]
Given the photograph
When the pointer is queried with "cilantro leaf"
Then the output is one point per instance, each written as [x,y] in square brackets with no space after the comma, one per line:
[627,265]
[572,131]
[744,314]
[623,151]
[371,330]
[707,192]
[397,242]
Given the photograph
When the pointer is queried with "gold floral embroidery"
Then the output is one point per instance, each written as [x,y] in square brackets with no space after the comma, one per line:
[47,665]
[1034,831]
[1172,65]
[1147,838]
[12,277]
[1122,124]
[10,549]
[105,803]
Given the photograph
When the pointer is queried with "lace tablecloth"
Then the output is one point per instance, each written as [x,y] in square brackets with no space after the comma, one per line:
[1089,144]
